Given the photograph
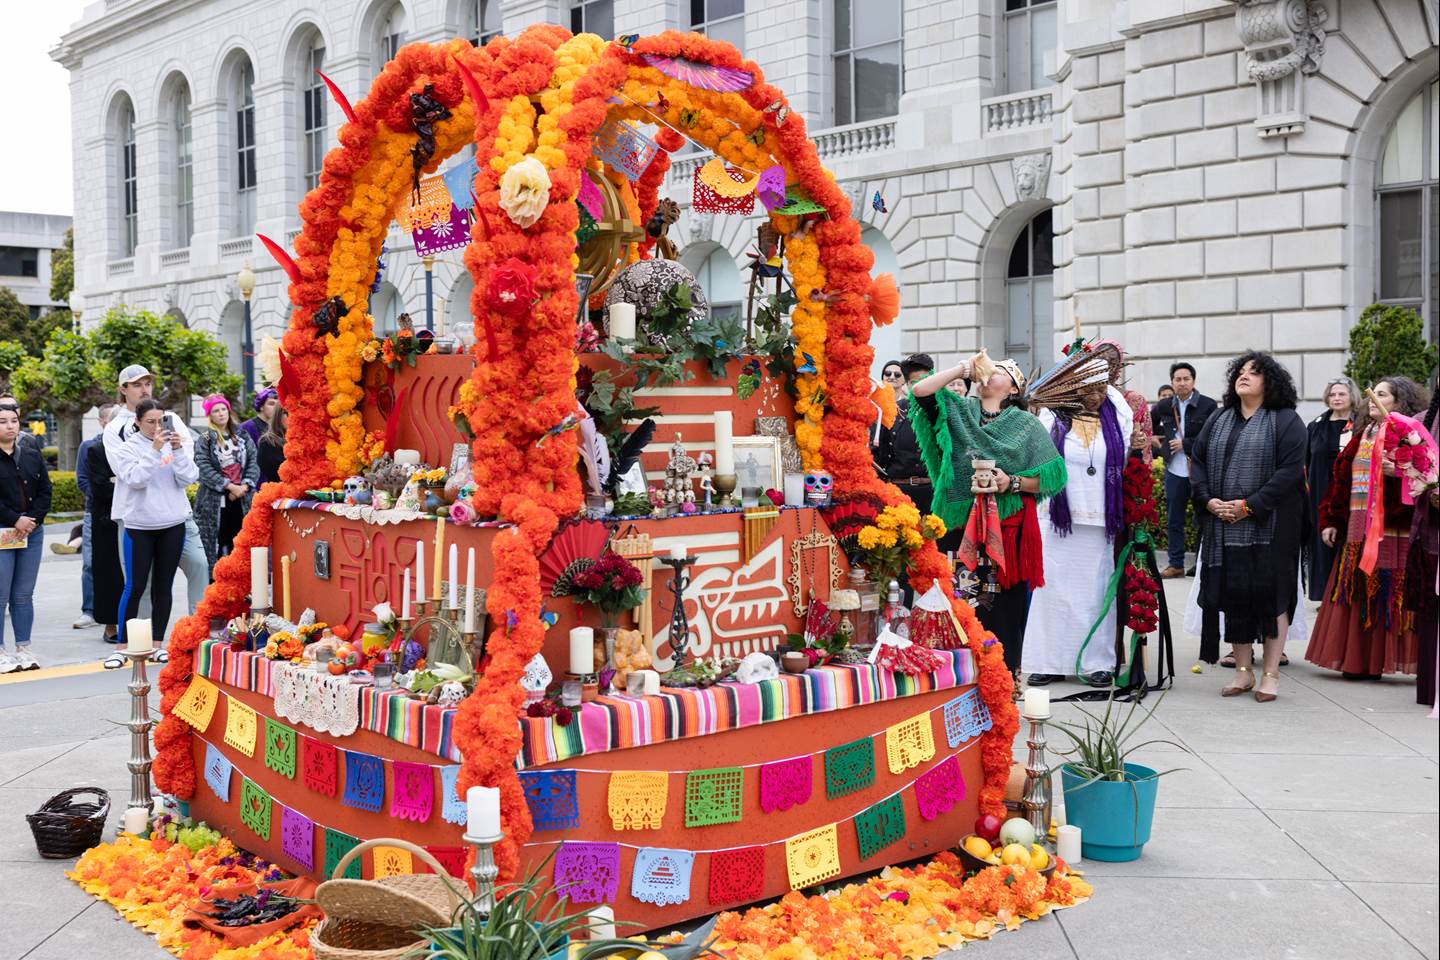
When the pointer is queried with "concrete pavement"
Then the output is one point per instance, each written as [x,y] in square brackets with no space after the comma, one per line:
[1304,828]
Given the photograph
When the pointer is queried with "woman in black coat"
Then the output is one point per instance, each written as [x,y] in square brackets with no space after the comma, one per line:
[1329,433]
[108,577]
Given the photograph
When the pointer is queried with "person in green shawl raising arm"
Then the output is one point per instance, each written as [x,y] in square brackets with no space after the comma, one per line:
[996,520]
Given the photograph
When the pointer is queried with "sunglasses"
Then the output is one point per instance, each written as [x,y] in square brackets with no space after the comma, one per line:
[893,375]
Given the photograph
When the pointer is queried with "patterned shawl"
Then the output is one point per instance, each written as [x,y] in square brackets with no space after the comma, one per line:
[1236,474]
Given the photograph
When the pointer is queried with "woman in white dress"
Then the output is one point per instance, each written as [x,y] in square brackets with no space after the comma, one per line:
[1079,537]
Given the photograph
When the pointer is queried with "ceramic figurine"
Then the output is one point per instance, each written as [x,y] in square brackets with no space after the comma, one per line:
[678,489]
[818,484]
[706,467]
[983,479]
[357,491]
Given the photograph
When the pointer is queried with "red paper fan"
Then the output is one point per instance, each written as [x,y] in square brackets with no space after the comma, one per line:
[584,540]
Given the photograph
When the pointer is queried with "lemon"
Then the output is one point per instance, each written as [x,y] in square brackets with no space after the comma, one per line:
[978,847]
[1039,859]
[1015,855]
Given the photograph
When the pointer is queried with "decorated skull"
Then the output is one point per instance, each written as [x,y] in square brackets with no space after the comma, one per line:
[536,678]
[357,490]
[818,484]
[451,694]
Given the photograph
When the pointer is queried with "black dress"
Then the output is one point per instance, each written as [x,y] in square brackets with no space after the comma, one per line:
[270,455]
[1327,437]
[105,571]
[1253,586]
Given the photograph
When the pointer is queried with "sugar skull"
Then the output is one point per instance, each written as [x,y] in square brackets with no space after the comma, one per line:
[818,485]
[536,678]
[357,490]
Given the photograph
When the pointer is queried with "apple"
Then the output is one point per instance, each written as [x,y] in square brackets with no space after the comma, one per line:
[1017,830]
[988,826]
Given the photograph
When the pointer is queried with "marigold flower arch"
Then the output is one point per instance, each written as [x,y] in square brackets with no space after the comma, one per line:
[544,94]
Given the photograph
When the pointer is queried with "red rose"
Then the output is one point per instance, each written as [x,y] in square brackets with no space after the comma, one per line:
[511,289]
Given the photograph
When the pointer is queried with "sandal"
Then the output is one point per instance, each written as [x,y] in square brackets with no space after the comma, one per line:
[1267,697]
[1228,661]
[1234,691]
[114,662]
[162,655]
[1284,660]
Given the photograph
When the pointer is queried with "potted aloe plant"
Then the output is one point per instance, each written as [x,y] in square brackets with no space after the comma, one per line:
[1108,796]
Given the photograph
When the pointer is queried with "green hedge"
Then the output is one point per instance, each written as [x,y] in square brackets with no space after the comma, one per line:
[1192,533]
[65,493]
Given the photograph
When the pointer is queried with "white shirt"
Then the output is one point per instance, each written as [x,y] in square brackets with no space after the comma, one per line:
[120,428]
[1179,462]
[1085,491]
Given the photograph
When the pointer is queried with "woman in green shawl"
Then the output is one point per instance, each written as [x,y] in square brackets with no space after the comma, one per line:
[990,424]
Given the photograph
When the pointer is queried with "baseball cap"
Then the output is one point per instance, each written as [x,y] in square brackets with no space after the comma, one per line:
[132,373]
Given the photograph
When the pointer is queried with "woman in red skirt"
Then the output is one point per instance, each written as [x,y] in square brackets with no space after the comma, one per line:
[1366,624]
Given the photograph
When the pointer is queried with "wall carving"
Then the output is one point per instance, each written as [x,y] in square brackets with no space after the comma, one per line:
[1284,41]
[1032,176]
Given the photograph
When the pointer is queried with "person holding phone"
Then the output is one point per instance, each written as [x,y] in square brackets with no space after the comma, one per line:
[24,502]
[155,467]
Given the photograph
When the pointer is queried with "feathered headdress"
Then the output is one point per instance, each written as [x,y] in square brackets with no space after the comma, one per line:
[1060,387]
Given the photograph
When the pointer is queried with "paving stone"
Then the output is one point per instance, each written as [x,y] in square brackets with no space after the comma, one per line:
[39,901]
[1320,782]
[1360,846]
[1241,844]
[1410,910]
[98,931]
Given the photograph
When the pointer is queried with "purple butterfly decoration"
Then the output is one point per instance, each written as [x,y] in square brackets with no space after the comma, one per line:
[706,76]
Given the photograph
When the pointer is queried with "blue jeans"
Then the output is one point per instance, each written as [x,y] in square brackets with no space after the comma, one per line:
[1177,503]
[19,569]
[87,581]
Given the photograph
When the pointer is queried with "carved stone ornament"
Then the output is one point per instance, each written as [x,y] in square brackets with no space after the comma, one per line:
[1032,176]
[1284,41]
[854,191]
[702,225]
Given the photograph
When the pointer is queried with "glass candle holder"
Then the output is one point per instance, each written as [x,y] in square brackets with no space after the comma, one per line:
[570,693]
[384,674]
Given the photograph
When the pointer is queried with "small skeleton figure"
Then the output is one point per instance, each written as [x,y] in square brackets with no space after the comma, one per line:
[678,470]
[706,465]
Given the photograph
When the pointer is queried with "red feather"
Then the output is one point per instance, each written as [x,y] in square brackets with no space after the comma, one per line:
[282,257]
[289,385]
[392,422]
[472,87]
[339,96]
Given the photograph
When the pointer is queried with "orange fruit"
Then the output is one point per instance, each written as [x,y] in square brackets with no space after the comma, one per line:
[1015,855]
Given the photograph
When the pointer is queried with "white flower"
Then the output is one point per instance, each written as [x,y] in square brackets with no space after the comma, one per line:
[384,613]
[268,357]
[525,192]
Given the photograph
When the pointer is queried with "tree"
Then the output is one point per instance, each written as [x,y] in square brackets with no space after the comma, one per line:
[62,269]
[16,325]
[1389,341]
[12,355]
[68,380]
[185,362]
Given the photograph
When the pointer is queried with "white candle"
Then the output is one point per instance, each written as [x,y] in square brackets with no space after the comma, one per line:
[482,812]
[724,443]
[678,552]
[259,577]
[285,585]
[470,591]
[405,604]
[439,555]
[794,489]
[411,457]
[602,922]
[652,682]
[582,650]
[1067,843]
[1037,703]
[454,603]
[135,820]
[622,321]
[420,571]
[138,636]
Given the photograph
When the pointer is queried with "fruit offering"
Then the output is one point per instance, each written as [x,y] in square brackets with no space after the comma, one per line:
[1033,857]
[1017,830]
[988,826]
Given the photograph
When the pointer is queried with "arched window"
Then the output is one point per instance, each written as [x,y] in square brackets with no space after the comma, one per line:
[459,323]
[483,21]
[128,182]
[887,341]
[392,35]
[184,226]
[386,305]
[1029,35]
[246,176]
[721,19]
[867,60]
[1407,202]
[1030,323]
[719,278]
[313,132]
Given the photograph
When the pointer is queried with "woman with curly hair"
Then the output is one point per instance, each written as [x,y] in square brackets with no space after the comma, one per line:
[1366,624]
[1247,469]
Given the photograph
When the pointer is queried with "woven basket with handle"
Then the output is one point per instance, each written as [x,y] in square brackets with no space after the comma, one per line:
[377,919]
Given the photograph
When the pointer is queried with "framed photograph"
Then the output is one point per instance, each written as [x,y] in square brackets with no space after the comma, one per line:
[583,283]
[758,467]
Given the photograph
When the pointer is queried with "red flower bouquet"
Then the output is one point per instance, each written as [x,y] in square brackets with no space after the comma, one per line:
[612,585]
[511,289]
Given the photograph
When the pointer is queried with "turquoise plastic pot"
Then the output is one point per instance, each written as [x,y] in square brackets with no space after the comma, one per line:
[1114,817]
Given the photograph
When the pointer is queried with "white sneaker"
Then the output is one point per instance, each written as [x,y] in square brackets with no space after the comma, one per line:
[8,664]
[85,621]
[25,660]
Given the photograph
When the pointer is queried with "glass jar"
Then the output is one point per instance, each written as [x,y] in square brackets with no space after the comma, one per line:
[867,616]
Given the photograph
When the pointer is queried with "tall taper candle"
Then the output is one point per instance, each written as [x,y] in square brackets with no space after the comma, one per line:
[405,604]
[724,442]
[419,571]
[454,603]
[470,590]
[439,555]
[260,577]
[285,585]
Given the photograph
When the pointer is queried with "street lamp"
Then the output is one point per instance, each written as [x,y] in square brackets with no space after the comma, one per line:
[245,280]
[429,261]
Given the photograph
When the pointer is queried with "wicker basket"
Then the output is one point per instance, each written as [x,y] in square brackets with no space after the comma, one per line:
[65,829]
[377,919]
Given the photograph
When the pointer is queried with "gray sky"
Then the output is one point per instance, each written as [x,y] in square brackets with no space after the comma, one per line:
[35,165]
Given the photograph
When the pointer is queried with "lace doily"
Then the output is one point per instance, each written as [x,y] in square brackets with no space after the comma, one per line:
[368,514]
[320,701]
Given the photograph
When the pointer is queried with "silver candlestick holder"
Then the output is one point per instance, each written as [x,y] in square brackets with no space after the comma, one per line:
[484,872]
[139,724]
[1037,797]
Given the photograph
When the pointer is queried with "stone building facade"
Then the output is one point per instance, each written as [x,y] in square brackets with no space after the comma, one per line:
[1192,177]
[27,241]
